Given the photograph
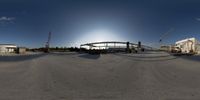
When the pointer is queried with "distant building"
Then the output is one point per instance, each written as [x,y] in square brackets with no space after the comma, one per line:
[7,48]
[189,45]
[165,47]
[21,50]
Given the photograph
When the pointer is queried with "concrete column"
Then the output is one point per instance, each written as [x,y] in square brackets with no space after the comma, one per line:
[139,44]
[127,47]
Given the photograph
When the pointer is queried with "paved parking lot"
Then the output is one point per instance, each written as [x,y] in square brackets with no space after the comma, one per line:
[72,76]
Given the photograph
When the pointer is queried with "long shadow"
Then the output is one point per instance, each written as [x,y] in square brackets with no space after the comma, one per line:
[137,58]
[193,58]
[140,56]
[157,52]
[89,56]
[64,53]
[20,57]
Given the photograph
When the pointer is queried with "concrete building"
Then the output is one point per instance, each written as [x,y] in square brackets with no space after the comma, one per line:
[189,45]
[7,48]
[21,50]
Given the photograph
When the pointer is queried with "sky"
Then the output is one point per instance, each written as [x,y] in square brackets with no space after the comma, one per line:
[74,22]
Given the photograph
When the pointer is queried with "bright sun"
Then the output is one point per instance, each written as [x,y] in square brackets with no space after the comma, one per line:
[100,35]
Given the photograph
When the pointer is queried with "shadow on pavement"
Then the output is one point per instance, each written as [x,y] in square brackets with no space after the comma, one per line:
[142,56]
[150,58]
[20,57]
[193,58]
[63,53]
[89,56]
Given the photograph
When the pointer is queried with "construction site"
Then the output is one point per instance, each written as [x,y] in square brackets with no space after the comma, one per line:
[102,71]
[99,50]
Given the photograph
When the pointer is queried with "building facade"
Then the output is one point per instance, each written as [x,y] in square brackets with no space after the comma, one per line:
[189,45]
[7,48]
[21,50]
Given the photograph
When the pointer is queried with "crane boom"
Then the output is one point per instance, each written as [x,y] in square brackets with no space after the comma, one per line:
[165,34]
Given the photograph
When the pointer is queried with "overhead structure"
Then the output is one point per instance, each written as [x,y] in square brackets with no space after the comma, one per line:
[112,46]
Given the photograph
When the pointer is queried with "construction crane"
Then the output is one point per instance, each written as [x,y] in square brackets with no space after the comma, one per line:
[47,43]
[165,35]
[174,49]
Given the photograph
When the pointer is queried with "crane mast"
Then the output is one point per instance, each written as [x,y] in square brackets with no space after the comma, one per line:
[48,43]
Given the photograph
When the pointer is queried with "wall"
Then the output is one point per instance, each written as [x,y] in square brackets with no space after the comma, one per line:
[187,45]
[7,48]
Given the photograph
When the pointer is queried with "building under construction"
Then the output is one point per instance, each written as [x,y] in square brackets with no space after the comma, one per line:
[115,46]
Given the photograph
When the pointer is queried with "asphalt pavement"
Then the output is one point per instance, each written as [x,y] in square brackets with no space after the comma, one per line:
[73,76]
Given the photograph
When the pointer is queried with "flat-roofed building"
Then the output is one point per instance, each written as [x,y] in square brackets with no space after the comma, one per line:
[21,50]
[188,45]
[7,48]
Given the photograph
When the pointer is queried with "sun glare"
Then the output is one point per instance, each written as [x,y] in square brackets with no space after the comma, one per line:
[100,35]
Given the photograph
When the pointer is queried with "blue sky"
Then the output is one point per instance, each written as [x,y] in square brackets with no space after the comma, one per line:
[72,22]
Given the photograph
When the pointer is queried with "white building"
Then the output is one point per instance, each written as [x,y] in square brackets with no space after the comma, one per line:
[189,45]
[7,48]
